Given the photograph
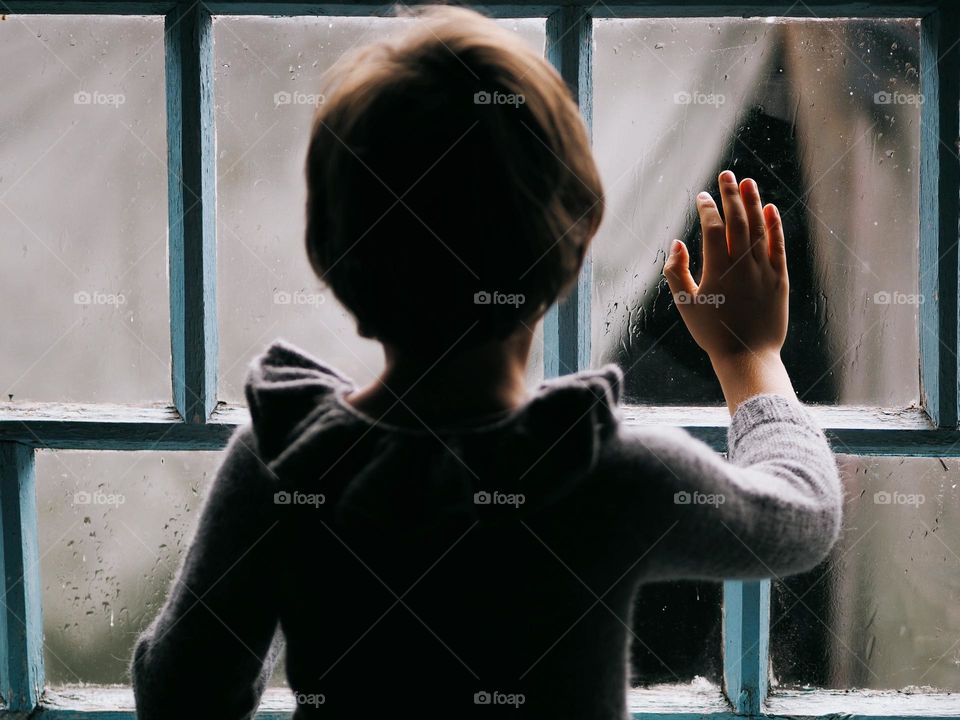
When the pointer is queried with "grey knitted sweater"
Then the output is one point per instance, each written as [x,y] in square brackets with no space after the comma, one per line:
[474,571]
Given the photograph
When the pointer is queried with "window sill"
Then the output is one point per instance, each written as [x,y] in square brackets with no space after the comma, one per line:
[851,429]
[698,699]
[95,702]
[864,703]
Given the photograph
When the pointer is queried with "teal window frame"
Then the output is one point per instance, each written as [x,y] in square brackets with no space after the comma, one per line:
[197,421]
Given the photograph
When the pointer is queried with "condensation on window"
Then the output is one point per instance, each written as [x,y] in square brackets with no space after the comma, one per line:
[268,79]
[114,527]
[826,116]
[83,206]
[883,611]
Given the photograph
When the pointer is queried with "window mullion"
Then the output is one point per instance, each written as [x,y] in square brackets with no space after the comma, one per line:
[939,212]
[566,326]
[21,619]
[746,634]
[192,204]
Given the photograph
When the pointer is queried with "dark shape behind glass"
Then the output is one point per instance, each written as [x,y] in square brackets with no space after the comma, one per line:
[677,633]
[665,364]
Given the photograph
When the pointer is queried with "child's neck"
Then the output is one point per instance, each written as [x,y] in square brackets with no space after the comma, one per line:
[483,380]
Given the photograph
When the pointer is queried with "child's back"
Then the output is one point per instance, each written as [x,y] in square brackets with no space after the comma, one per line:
[442,539]
[451,570]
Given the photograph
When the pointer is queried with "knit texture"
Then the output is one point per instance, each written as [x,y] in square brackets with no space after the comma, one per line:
[442,567]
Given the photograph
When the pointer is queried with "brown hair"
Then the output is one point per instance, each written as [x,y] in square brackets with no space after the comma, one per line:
[451,191]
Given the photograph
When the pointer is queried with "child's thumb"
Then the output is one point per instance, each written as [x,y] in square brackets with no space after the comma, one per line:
[677,270]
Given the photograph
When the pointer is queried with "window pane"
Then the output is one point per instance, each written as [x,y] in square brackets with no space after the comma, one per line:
[83,192]
[881,612]
[269,72]
[113,528]
[677,633]
[825,115]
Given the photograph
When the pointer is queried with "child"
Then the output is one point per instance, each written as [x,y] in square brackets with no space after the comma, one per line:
[443,539]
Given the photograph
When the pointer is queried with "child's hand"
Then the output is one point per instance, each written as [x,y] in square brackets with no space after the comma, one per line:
[740,306]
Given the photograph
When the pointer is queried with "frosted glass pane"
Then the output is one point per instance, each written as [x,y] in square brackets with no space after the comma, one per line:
[883,611]
[113,529]
[268,77]
[825,115]
[83,193]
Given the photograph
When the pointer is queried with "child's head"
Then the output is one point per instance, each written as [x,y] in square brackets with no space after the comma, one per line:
[451,192]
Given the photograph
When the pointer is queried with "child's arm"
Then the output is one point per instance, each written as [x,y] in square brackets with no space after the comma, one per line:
[210,649]
[774,507]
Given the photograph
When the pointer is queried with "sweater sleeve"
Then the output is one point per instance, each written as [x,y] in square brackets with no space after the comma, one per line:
[772,508]
[214,643]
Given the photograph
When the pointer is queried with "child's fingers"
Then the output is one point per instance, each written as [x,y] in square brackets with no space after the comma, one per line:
[734,215]
[750,194]
[776,241]
[677,272]
[715,254]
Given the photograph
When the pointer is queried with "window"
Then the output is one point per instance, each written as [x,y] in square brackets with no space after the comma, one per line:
[108,555]
[797,105]
[130,329]
[879,612]
[266,81]
[78,274]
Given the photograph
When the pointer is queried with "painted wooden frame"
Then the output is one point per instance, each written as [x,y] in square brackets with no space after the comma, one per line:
[195,421]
